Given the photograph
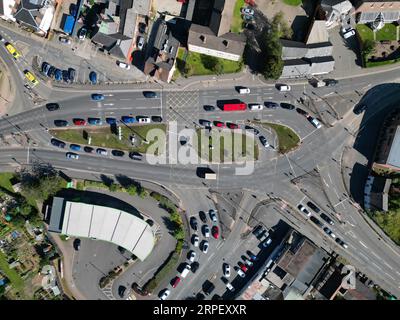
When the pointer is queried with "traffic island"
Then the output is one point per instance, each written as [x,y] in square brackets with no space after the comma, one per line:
[288,140]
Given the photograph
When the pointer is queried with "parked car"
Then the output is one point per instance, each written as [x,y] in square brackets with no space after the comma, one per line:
[204,246]
[329,232]
[231,125]
[143,119]
[302,112]
[58,75]
[314,122]
[71,74]
[304,210]
[123,65]
[349,34]
[244,90]
[283,87]
[205,123]
[313,207]
[249,128]
[93,77]
[75,147]
[287,106]
[140,43]
[71,155]
[128,119]
[175,282]
[242,266]
[248,11]
[156,119]
[29,75]
[111,121]
[79,122]
[341,242]
[271,105]
[267,242]
[57,143]
[226,268]
[150,94]
[121,291]
[45,68]
[135,155]
[215,232]
[52,106]
[101,151]
[330,82]
[88,149]
[97,97]
[316,221]
[142,27]
[248,262]
[193,223]
[206,231]
[195,266]
[209,108]
[213,215]
[240,273]
[326,218]
[255,106]
[51,72]
[117,153]
[195,240]
[219,124]
[191,256]
[164,294]
[203,216]
[82,33]
[60,123]
[65,76]
[264,141]
[77,244]
[358,109]
[251,255]
[258,230]
[95,121]
[64,40]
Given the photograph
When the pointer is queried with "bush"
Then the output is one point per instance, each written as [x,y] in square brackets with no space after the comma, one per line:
[156,195]
[113,187]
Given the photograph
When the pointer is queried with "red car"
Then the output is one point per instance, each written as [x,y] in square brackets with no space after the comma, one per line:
[175,281]
[219,124]
[232,126]
[215,232]
[79,122]
[242,266]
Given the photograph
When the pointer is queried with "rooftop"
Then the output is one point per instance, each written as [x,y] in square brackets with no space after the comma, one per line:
[394,154]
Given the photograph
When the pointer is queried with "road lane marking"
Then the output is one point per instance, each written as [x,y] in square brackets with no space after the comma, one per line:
[363,244]
[373,253]
[125,99]
[376,266]
[389,276]
[387,265]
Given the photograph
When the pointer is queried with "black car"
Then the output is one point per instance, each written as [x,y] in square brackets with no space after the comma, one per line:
[88,149]
[117,153]
[326,218]
[313,207]
[208,287]
[258,230]
[71,74]
[156,119]
[203,216]
[256,132]
[65,75]
[121,291]
[142,27]
[359,108]
[77,244]
[52,106]
[271,105]
[60,123]
[209,108]
[330,82]
[194,266]
[287,106]
[51,71]
[316,221]
[57,143]
[150,94]
[193,223]
[302,112]
[135,155]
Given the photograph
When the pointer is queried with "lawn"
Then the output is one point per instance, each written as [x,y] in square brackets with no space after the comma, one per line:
[365,32]
[237,21]
[287,138]
[11,274]
[5,183]
[103,137]
[293,2]
[388,32]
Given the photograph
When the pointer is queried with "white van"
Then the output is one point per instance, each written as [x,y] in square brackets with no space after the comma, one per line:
[144,119]
[244,90]
[284,87]
[186,271]
[256,106]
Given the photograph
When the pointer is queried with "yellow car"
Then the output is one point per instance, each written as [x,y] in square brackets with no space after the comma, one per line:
[31,77]
[13,51]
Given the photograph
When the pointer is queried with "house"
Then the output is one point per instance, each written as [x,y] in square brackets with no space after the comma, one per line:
[215,38]
[162,58]
[376,195]
[368,11]
[6,7]
[116,30]
[333,11]
[35,15]
[310,58]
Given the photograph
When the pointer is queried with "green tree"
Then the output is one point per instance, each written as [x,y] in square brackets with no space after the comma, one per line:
[179,234]
[209,62]
[132,190]
[368,47]
[113,187]
[273,67]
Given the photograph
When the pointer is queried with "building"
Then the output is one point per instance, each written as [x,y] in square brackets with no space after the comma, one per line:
[161,61]
[367,11]
[313,57]
[102,223]
[35,15]
[376,193]
[6,8]
[118,25]
[334,10]
[214,38]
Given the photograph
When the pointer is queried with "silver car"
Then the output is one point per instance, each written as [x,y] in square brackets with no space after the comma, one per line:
[140,44]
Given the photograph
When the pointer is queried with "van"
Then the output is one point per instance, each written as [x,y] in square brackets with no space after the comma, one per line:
[284,87]
[256,107]
[186,271]
[244,90]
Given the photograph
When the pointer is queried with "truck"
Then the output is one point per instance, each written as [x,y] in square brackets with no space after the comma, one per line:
[69,24]
[234,106]
[186,270]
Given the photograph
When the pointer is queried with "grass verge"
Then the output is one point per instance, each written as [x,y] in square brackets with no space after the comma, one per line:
[287,138]
[11,274]
[294,3]
[5,182]
[237,21]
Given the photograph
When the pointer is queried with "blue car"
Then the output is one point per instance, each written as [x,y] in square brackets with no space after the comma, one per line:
[58,75]
[111,120]
[128,119]
[97,97]
[75,147]
[93,77]
[94,121]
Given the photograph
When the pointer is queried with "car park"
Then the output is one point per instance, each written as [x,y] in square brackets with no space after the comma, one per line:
[75,147]
[164,294]
[150,94]
[271,105]
[341,242]
[60,123]
[249,128]
[231,125]
[135,155]
[64,40]
[143,119]
[191,256]
[88,149]
[175,282]
[316,221]
[313,207]
[195,240]
[156,119]
[204,246]
[79,122]
[219,124]
[203,216]
[329,232]
[359,108]
[94,121]
[97,97]
[101,151]
[123,65]
[215,232]
[213,215]
[140,43]
[206,231]
[283,87]
[326,218]
[264,141]
[71,155]
[254,106]
[304,210]
[128,119]
[287,106]
[117,153]
[209,108]
[193,223]
[111,121]
[57,143]
[52,106]
[314,122]
[93,77]
[226,268]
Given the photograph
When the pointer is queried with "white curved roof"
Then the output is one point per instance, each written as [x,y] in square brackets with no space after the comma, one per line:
[108,224]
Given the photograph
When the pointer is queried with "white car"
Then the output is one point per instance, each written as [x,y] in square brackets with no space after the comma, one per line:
[205,246]
[264,141]
[248,11]
[349,34]
[329,232]
[213,215]
[144,119]
[196,240]
[284,87]
[165,294]
[206,231]
[256,106]
[267,243]
[227,270]
[314,122]
[248,262]
[244,90]
[230,287]
[140,43]
[123,65]
[192,256]
[304,210]
[240,273]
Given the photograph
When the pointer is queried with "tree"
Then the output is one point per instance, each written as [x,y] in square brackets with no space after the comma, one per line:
[113,187]
[281,26]
[273,67]
[179,234]
[273,63]
[368,47]
[132,190]
[209,62]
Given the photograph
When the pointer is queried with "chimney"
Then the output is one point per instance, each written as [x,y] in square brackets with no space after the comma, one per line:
[203,38]
[225,42]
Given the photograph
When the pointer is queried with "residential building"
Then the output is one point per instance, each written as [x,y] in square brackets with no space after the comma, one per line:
[161,61]
[368,11]
[313,57]
[6,8]
[333,11]
[376,193]
[214,38]
[35,15]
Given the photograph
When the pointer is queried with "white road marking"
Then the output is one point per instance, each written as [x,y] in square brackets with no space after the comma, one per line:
[376,266]
[125,99]
[109,104]
[363,244]
[389,276]
[373,253]
[387,265]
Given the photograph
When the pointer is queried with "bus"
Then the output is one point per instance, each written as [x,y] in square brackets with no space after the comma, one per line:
[234,106]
